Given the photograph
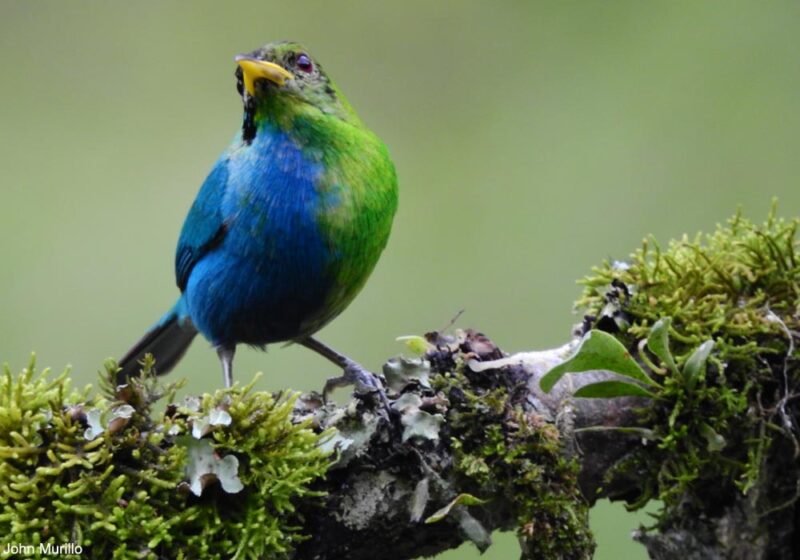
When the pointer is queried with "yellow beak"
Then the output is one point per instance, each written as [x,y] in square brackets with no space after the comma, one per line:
[253,69]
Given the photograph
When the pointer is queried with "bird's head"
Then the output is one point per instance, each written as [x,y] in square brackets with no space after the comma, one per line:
[284,79]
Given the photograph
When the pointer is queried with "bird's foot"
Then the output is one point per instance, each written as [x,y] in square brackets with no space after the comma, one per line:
[353,374]
[364,381]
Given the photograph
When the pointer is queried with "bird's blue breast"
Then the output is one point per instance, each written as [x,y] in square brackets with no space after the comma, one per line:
[266,276]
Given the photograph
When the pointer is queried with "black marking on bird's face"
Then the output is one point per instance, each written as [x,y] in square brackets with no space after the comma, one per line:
[249,125]
[239,81]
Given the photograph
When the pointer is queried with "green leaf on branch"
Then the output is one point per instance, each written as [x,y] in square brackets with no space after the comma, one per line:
[460,500]
[598,351]
[609,389]
[658,343]
[695,365]
[715,442]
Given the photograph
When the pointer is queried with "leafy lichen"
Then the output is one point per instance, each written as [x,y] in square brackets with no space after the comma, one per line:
[106,472]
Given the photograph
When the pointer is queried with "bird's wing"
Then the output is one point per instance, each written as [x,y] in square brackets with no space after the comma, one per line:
[204,227]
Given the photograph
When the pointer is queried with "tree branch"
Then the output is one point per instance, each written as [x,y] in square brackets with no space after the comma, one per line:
[383,488]
[705,333]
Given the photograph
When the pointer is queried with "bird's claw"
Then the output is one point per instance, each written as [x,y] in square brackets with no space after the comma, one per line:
[364,381]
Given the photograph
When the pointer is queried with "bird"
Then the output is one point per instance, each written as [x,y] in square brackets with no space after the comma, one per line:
[286,228]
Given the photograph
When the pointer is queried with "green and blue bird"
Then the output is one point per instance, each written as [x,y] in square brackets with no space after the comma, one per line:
[286,228]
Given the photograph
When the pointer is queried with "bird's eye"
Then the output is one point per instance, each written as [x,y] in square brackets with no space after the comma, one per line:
[304,63]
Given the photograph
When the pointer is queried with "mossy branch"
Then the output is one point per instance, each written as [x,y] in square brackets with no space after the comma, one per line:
[691,386]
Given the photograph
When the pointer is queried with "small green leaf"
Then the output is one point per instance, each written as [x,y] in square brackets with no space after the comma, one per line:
[658,343]
[416,344]
[644,433]
[714,441]
[598,351]
[462,500]
[695,365]
[609,389]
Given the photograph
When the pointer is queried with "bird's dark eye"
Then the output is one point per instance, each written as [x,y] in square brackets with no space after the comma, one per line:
[304,63]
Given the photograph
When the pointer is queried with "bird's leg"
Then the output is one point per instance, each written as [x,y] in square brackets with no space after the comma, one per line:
[225,353]
[353,372]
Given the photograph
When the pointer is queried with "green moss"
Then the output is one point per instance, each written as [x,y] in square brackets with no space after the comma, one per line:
[502,452]
[714,286]
[739,287]
[124,493]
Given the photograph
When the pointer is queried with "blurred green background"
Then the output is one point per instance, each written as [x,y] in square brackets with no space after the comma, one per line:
[532,140]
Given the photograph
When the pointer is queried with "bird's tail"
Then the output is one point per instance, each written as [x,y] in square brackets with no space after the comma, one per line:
[167,341]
